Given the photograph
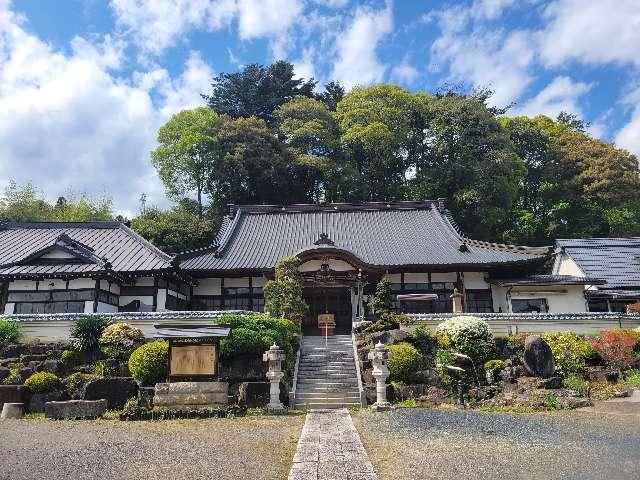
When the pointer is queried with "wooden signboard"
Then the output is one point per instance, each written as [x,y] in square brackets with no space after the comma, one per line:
[193,360]
[327,323]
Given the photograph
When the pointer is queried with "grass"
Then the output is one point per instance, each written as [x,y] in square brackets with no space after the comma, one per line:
[407,403]
[632,378]
[510,409]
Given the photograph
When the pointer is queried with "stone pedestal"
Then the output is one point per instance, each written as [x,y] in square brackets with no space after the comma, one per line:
[379,356]
[12,410]
[275,357]
[191,394]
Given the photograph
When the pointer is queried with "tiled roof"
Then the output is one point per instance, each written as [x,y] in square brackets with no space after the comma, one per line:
[614,294]
[615,260]
[95,246]
[377,234]
[545,280]
[527,317]
[125,316]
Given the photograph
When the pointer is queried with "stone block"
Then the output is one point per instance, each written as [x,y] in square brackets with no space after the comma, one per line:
[12,410]
[4,373]
[75,409]
[33,358]
[185,394]
[38,400]
[14,394]
[538,358]
[115,390]
[253,394]
[26,372]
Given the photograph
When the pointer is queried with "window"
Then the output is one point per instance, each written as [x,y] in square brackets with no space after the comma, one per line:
[49,307]
[532,305]
[479,301]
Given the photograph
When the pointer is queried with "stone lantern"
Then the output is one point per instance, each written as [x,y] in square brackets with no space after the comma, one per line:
[275,357]
[379,356]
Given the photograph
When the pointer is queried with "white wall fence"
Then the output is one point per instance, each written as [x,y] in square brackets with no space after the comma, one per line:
[504,324]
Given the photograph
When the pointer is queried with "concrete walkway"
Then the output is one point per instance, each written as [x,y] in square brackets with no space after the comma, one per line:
[330,449]
[620,406]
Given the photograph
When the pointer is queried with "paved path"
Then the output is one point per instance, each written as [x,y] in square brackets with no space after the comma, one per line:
[330,449]
[617,406]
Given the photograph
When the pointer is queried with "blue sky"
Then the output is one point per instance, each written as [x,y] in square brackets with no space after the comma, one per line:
[85,84]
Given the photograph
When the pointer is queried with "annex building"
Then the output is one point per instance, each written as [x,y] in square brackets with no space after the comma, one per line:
[345,249]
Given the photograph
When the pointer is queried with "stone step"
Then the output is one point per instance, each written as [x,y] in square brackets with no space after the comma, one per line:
[320,397]
[328,392]
[323,405]
[324,383]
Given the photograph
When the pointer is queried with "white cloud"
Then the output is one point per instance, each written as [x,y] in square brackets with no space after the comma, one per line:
[68,122]
[332,3]
[405,72]
[629,136]
[357,62]
[482,57]
[595,32]
[490,9]
[560,95]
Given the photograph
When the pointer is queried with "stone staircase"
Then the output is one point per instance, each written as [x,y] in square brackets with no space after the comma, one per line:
[327,376]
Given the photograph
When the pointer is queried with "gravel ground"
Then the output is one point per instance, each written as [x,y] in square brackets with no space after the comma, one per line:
[424,444]
[250,447]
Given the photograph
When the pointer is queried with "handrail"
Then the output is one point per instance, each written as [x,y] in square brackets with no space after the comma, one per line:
[363,397]
[292,393]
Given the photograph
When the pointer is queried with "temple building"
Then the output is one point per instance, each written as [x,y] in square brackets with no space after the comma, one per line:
[344,249]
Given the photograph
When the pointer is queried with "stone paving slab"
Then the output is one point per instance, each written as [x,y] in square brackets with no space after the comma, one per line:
[329,448]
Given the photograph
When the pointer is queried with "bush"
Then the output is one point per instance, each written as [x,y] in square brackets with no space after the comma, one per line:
[469,335]
[42,382]
[14,378]
[148,363]
[69,356]
[424,341]
[10,332]
[493,365]
[616,347]
[382,301]
[569,352]
[577,384]
[386,321]
[86,333]
[632,378]
[119,339]
[404,362]
[76,380]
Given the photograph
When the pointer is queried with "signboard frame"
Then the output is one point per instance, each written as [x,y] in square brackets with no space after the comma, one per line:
[192,342]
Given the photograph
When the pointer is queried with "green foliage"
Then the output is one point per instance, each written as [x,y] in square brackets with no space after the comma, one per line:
[10,332]
[69,357]
[174,230]
[14,378]
[576,383]
[422,339]
[404,362]
[86,333]
[386,321]
[550,401]
[382,300]
[148,362]
[494,365]
[283,296]
[119,339]
[42,382]
[469,335]
[632,378]
[407,403]
[569,352]
[76,381]
[254,334]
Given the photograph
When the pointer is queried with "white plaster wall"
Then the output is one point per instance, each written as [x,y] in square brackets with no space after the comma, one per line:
[57,254]
[393,277]
[124,300]
[236,282]
[208,286]
[259,281]
[565,265]
[78,283]
[475,280]
[22,285]
[145,282]
[88,306]
[499,299]
[106,308]
[8,308]
[416,278]
[443,277]
[161,299]
[564,299]
[334,264]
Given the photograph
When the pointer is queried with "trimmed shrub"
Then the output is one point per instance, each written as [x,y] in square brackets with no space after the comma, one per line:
[616,347]
[494,365]
[422,339]
[148,363]
[569,352]
[69,356]
[576,383]
[404,362]
[86,333]
[76,380]
[469,335]
[10,332]
[386,321]
[119,339]
[42,382]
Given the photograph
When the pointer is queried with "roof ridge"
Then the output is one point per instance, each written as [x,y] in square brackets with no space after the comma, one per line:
[53,224]
[338,206]
[508,247]
[136,236]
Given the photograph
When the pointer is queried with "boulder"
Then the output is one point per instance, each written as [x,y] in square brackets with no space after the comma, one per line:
[390,336]
[14,394]
[403,392]
[53,366]
[115,390]
[367,376]
[428,377]
[33,358]
[433,396]
[13,350]
[145,396]
[550,383]
[602,374]
[538,358]
[12,410]
[187,394]
[243,368]
[38,400]
[4,373]
[5,362]
[75,409]
[253,394]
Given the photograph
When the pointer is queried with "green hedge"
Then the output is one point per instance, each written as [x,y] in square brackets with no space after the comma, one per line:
[148,363]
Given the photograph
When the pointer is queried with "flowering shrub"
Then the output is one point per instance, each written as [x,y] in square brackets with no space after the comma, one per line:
[569,352]
[42,382]
[616,348]
[119,339]
[469,335]
[404,362]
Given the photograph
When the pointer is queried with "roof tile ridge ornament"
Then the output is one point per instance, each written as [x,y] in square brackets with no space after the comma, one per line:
[324,240]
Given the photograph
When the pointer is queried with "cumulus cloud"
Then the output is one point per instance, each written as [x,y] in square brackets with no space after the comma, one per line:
[591,32]
[629,136]
[67,121]
[405,72]
[357,62]
[560,95]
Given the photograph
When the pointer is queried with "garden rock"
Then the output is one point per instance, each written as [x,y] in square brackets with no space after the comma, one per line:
[37,400]
[550,383]
[53,366]
[243,368]
[26,372]
[14,394]
[253,394]
[538,358]
[390,336]
[5,362]
[116,390]
[32,358]
[403,392]
[602,374]
[428,377]
[145,396]
[370,393]
[4,373]
[367,376]
[75,409]
[12,410]
[433,396]
[13,350]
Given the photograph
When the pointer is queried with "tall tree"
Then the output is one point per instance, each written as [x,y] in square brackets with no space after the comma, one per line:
[257,90]
[187,153]
[332,94]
